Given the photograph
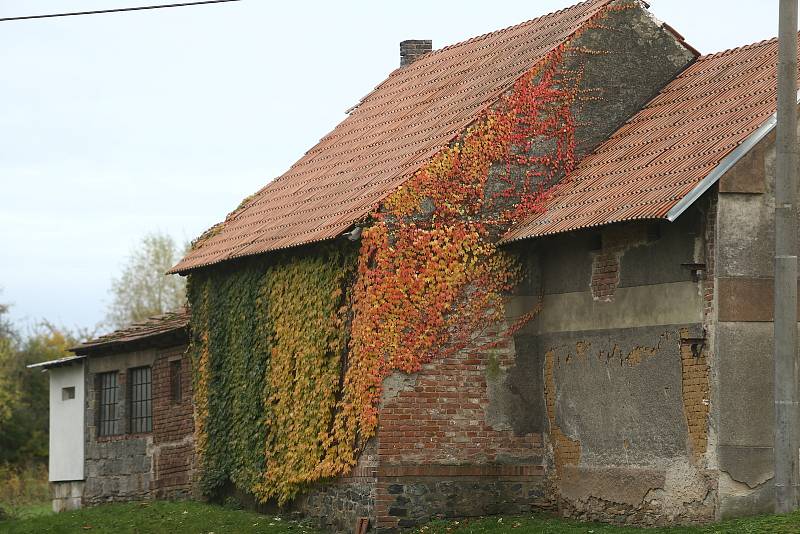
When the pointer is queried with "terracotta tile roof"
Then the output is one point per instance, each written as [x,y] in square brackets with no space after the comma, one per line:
[416,111]
[138,333]
[664,152]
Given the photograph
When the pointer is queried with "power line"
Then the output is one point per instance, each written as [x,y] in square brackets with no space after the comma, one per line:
[118,10]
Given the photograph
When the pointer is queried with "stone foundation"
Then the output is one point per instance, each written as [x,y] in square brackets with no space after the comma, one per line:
[410,501]
[336,506]
[66,495]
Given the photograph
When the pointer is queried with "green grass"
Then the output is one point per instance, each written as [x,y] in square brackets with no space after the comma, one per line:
[548,525]
[156,517]
[193,517]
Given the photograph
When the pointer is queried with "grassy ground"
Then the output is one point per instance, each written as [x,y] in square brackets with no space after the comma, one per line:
[156,517]
[547,525]
[175,518]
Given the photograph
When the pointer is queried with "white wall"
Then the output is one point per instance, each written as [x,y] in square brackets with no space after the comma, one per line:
[66,423]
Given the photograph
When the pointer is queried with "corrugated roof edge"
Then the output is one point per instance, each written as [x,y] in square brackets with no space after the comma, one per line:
[56,363]
[717,172]
[724,166]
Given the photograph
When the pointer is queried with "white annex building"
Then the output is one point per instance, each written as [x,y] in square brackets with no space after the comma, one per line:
[67,396]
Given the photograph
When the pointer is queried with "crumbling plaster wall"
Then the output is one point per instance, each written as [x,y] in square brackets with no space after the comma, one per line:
[744,292]
[620,351]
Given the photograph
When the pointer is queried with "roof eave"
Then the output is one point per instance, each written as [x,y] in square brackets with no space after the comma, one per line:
[56,363]
[724,166]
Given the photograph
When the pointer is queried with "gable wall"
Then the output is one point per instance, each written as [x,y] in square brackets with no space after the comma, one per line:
[468,435]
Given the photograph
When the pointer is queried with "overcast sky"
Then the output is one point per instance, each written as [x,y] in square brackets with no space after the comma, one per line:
[112,126]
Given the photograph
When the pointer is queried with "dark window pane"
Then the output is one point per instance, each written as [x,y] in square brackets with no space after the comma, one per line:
[108,404]
[141,400]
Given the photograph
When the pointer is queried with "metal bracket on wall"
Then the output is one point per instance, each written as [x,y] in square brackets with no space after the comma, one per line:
[698,270]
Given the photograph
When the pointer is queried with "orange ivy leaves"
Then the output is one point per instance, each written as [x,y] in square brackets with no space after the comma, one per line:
[431,279]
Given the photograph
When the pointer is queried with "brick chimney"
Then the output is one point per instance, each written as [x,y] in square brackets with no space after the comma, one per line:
[413,49]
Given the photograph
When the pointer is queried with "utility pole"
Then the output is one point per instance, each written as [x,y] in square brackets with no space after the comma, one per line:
[785,352]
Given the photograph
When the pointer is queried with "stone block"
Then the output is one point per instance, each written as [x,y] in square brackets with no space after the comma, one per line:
[745,378]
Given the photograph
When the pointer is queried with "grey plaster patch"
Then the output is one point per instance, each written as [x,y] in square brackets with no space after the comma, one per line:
[745,377]
[614,484]
[750,465]
[684,484]
[739,500]
[516,395]
[745,242]
[660,261]
[677,303]
[394,384]
[621,397]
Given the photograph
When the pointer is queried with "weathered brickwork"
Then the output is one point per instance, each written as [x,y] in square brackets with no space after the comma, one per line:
[439,418]
[695,387]
[157,464]
[566,451]
[605,275]
[439,455]
[173,425]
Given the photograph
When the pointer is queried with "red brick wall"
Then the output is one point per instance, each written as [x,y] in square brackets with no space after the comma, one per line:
[441,419]
[173,426]
[435,429]
[605,275]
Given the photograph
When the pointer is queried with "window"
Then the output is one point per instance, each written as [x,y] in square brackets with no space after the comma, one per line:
[175,380]
[141,400]
[109,415]
[68,393]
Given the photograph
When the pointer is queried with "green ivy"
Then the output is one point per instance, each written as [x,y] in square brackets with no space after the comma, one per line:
[268,334]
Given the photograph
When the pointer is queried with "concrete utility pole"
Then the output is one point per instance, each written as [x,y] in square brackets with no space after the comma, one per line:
[785,356]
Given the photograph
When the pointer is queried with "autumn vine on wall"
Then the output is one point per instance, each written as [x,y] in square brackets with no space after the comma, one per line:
[290,350]
[431,279]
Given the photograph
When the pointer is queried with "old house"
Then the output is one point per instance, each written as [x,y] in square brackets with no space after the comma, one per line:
[377,411]
[529,271]
[121,425]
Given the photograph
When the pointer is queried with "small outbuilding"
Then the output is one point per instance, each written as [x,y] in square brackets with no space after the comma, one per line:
[121,421]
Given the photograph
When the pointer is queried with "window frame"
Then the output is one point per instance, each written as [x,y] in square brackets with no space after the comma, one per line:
[140,400]
[108,415]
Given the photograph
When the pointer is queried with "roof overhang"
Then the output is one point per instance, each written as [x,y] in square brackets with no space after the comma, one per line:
[69,360]
[724,166]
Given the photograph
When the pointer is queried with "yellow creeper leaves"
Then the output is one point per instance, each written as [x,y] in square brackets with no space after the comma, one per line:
[268,338]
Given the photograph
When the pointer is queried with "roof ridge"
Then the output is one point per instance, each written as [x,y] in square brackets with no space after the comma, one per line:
[516,26]
[738,49]
[470,40]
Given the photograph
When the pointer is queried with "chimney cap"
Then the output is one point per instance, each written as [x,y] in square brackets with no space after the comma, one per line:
[412,49]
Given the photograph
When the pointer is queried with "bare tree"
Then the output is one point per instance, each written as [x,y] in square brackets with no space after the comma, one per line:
[143,289]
